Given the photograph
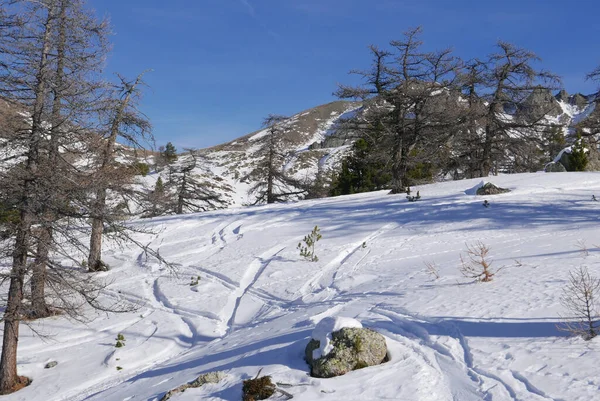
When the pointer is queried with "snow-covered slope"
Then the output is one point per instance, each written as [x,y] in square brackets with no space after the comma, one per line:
[224,168]
[257,301]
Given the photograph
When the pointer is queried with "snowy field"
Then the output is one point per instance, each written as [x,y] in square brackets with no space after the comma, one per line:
[257,301]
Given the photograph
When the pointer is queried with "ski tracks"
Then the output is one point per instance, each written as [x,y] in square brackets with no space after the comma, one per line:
[251,276]
[504,385]
[327,275]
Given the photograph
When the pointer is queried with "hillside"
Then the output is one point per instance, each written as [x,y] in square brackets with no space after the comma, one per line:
[256,301]
[312,143]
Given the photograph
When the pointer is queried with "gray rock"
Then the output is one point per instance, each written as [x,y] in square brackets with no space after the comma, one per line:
[205,378]
[565,160]
[490,189]
[578,100]
[539,103]
[353,348]
[555,167]
[50,365]
[563,96]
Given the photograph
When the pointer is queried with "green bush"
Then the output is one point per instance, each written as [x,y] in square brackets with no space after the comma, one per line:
[307,251]
[578,158]
[142,169]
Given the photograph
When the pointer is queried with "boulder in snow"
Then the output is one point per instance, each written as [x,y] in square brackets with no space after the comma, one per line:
[205,378]
[341,345]
[555,167]
[490,189]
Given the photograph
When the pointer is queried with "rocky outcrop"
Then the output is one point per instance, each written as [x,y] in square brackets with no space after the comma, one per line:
[555,167]
[490,189]
[541,103]
[205,378]
[353,348]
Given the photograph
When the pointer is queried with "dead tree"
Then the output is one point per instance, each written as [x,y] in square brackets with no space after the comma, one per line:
[477,264]
[579,299]
[49,57]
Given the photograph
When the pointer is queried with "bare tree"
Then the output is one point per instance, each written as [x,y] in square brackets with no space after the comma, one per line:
[125,121]
[477,264]
[190,192]
[413,108]
[503,112]
[49,62]
[273,184]
[579,299]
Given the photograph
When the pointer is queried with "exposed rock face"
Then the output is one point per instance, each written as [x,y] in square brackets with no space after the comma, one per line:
[563,96]
[555,167]
[205,378]
[490,189]
[578,100]
[353,348]
[541,103]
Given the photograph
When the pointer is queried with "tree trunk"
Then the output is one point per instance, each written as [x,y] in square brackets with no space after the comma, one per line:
[8,364]
[9,379]
[271,175]
[95,263]
[95,257]
[181,195]
[39,308]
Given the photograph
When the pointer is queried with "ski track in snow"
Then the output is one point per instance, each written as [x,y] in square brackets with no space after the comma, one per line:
[257,300]
[253,272]
[327,275]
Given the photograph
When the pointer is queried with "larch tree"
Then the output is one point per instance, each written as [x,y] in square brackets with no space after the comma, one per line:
[410,104]
[189,192]
[502,113]
[122,120]
[272,183]
[51,56]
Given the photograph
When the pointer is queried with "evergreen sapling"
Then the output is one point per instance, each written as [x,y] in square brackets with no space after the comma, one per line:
[307,251]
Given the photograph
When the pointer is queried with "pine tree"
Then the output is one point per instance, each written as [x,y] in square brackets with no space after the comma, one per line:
[578,158]
[272,183]
[170,153]
[361,171]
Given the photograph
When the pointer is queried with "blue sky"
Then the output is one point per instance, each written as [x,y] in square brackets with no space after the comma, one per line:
[221,66]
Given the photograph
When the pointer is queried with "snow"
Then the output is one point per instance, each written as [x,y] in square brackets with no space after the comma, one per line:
[257,302]
[323,330]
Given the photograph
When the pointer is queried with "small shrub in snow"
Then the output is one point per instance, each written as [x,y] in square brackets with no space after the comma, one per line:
[432,270]
[583,249]
[414,198]
[579,299]
[477,264]
[259,388]
[194,281]
[486,204]
[120,341]
[307,251]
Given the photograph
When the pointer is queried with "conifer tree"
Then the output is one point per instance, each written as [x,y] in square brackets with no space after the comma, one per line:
[170,153]
[409,104]
[273,184]
[578,158]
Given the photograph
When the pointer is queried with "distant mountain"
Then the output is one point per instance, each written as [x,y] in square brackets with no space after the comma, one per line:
[309,140]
